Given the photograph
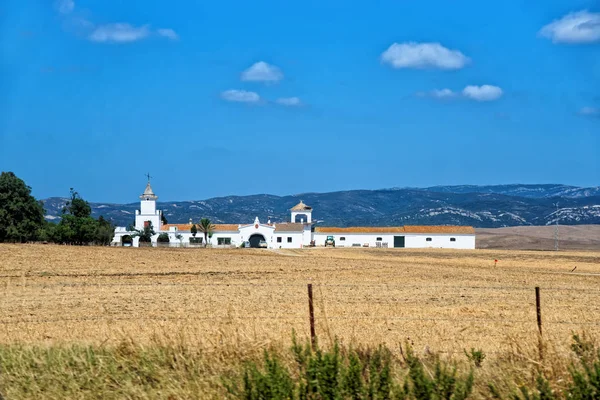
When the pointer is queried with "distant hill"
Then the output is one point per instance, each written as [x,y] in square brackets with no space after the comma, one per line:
[479,206]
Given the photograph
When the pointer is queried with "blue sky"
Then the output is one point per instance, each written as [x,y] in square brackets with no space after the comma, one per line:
[232,97]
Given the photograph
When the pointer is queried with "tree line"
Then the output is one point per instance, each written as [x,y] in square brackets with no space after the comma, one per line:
[22,218]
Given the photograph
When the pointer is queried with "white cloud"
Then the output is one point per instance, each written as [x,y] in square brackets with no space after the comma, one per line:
[119,33]
[262,72]
[423,55]
[443,93]
[65,6]
[107,33]
[289,101]
[590,112]
[482,93]
[168,33]
[438,94]
[576,27]
[240,96]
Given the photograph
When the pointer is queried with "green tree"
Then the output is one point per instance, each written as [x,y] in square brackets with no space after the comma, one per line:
[194,230]
[163,219]
[105,231]
[77,225]
[21,215]
[163,238]
[47,233]
[146,233]
[207,228]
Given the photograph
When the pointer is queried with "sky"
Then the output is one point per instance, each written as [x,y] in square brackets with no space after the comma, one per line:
[238,97]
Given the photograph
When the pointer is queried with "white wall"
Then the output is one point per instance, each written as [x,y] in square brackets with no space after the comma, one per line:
[147,207]
[413,241]
[352,238]
[419,241]
[297,240]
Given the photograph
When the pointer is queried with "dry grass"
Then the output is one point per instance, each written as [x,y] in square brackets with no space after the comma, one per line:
[447,300]
[168,323]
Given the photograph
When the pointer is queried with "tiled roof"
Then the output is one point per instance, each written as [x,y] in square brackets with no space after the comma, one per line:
[399,229]
[301,207]
[180,227]
[289,227]
[226,227]
[439,229]
[361,229]
[188,227]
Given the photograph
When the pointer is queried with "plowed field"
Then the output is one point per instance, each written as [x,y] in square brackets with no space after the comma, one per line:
[448,300]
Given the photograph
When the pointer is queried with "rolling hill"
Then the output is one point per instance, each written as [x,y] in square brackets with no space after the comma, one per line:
[479,206]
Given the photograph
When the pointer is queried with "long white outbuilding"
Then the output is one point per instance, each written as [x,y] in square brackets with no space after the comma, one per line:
[299,232]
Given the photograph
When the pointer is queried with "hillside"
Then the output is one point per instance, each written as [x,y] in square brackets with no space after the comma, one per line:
[479,206]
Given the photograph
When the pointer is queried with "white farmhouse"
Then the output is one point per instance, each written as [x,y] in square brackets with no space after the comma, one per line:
[299,232]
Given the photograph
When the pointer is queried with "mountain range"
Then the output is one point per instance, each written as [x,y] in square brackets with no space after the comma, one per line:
[479,206]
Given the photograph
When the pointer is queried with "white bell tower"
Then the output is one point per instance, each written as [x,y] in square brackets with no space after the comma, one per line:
[302,210]
[147,212]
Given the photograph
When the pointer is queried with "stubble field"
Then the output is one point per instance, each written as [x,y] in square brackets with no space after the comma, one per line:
[439,299]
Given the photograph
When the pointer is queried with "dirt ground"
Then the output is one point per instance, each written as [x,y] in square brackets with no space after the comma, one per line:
[446,299]
[571,237]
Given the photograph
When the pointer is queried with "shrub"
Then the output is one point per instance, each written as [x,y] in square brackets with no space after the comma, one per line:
[444,384]
[163,238]
[475,356]
[586,375]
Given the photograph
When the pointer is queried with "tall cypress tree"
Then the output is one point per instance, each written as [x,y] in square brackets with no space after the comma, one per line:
[21,215]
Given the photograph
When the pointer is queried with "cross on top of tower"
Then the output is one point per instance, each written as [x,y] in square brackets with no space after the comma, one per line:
[148,176]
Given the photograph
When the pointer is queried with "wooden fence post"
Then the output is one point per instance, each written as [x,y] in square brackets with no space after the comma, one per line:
[538,310]
[311,312]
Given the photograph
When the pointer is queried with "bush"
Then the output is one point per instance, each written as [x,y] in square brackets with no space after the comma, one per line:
[163,238]
[586,375]
[475,356]
[352,374]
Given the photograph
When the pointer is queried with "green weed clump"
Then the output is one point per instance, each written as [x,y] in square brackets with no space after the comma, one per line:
[333,374]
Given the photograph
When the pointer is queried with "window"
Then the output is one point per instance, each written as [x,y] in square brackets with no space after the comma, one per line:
[428,240]
[342,239]
[453,239]
[289,239]
[146,224]
[278,239]
[195,240]
[379,239]
[223,240]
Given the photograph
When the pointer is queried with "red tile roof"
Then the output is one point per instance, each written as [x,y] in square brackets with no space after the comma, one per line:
[439,229]
[399,229]
[289,227]
[361,229]
[188,227]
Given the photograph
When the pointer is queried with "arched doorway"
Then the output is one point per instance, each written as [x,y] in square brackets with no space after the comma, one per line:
[126,241]
[255,240]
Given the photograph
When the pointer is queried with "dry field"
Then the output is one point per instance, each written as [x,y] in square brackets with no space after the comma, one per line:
[571,237]
[447,300]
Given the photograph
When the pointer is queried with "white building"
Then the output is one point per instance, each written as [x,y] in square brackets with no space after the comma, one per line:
[299,232]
